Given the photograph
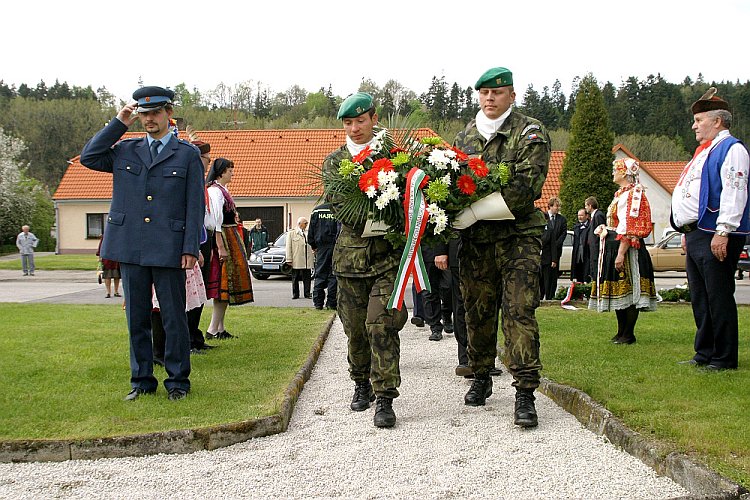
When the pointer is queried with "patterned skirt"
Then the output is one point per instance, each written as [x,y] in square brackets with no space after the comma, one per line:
[634,285]
[229,281]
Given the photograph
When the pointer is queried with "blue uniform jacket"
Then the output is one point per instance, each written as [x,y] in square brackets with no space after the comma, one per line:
[157,209]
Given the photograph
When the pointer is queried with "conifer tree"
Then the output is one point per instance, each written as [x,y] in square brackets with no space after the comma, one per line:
[587,169]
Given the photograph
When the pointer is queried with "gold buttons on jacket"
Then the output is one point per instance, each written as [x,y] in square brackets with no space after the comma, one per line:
[147,219]
[149,197]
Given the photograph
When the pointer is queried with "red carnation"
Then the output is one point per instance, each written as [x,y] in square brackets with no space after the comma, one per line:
[479,168]
[460,155]
[397,150]
[369,178]
[363,155]
[466,185]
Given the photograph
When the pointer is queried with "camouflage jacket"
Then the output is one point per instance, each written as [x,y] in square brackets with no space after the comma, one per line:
[522,142]
[354,256]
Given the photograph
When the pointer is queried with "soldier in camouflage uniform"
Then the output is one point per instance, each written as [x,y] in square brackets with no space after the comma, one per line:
[500,259]
[366,271]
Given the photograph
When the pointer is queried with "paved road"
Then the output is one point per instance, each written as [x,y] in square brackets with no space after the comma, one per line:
[81,287]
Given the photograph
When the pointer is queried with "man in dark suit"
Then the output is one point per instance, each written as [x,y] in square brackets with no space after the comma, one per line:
[553,238]
[153,230]
[597,218]
[579,261]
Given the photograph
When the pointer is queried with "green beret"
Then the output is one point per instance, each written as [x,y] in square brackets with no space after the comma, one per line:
[495,77]
[355,105]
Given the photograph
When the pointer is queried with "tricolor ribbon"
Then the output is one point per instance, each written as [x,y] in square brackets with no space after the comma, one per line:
[412,264]
[568,297]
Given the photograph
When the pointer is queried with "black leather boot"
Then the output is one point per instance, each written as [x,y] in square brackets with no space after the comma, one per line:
[480,390]
[363,396]
[384,414]
[525,414]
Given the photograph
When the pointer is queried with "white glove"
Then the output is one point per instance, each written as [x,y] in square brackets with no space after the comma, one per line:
[491,207]
[374,228]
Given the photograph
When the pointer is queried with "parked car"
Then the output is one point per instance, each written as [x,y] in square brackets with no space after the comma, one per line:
[270,261]
[667,254]
[744,263]
[567,254]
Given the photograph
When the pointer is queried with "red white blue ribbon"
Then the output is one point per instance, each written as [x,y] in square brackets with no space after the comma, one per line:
[412,264]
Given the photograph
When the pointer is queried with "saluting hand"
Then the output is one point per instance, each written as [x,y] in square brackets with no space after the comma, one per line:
[127,114]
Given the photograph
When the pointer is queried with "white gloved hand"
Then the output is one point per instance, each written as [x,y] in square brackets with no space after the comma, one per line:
[491,207]
[374,228]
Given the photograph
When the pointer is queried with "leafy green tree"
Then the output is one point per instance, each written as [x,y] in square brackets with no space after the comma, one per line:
[470,105]
[587,168]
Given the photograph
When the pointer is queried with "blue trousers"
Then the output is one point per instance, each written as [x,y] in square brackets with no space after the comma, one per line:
[170,289]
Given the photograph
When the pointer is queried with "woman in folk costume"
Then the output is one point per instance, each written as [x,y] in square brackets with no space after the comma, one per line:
[626,275]
[229,277]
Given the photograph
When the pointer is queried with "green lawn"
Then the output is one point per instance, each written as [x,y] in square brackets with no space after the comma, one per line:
[65,371]
[702,414]
[67,262]
[63,374]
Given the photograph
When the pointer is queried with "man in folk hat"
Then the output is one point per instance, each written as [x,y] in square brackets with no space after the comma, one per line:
[710,205]
[501,244]
[153,230]
[366,268]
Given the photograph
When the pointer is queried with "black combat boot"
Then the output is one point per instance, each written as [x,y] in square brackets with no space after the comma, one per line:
[384,415]
[525,414]
[363,396]
[480,390]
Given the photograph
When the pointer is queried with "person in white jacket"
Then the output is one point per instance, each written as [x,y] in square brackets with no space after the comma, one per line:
[26,243]
[299,255]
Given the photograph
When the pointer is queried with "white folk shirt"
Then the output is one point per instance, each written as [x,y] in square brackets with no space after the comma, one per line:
[214,218]
[734,175]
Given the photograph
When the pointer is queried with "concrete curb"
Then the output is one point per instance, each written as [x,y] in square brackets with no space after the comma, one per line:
[699,480]
[172,442]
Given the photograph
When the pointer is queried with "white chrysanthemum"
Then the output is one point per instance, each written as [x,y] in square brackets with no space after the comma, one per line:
[449,153]
[454,165]
[433,209]
[440,220]
[377,142]
[446,179]
[382,201]
[438,159]
[385,178]
[391,192]
[371,192]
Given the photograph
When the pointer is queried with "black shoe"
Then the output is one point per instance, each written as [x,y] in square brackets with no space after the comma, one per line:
[133,394]
[211,336]
[436,335]
[717,368]
[319,308]
[204,347]
[480,390]
[363,396]
[384,414]
[308,296]
[224,335]
[295,298]
[159,361]
[417,321]
[615,338]
[464,371]
[331,307]
[525,414]
[197,351]
[624,340]
[448,327]
[176,394]
[495,372]
[691,362]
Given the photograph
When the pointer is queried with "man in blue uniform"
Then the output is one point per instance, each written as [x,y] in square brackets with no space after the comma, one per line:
[153,230]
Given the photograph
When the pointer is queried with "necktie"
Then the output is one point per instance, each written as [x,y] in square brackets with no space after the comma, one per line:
[154,150]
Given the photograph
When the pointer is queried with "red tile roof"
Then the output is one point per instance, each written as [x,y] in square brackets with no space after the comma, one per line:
[279,163]
[267,163]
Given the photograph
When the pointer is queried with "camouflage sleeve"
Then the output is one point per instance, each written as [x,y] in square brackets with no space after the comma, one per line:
[529,168]
[336,198]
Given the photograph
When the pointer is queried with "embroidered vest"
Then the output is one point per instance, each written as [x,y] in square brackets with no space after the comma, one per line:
[711,186]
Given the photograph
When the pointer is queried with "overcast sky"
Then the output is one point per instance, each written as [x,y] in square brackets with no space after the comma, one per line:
[337,42]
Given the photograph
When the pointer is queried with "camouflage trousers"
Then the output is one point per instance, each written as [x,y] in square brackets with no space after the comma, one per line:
[373,331]
[503,276]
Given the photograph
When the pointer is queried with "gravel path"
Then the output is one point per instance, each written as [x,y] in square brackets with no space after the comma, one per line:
[438,449]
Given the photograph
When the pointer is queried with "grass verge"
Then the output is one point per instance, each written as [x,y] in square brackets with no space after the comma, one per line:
[705,415]
[65,371]
[67,262]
